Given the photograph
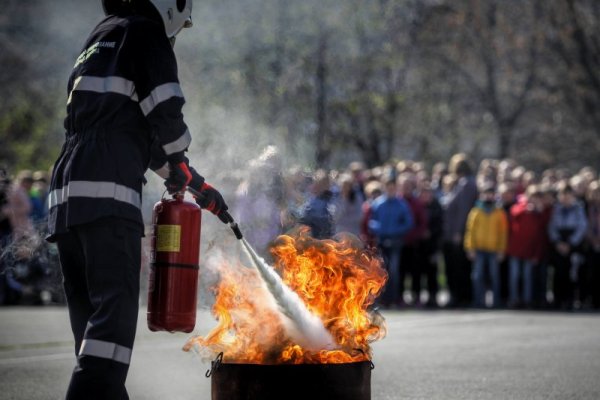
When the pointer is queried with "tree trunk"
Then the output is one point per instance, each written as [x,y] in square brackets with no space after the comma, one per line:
[323,150]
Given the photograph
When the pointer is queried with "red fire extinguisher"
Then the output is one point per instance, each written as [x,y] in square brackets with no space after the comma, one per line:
[173,284]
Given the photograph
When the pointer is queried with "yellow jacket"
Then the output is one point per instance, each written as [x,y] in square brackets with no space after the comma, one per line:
[486,230]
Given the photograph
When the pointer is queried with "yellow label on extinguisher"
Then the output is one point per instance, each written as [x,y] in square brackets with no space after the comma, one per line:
[168,238]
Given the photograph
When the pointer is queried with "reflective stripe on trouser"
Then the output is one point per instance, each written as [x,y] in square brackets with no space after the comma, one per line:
[101,264]
[108,350]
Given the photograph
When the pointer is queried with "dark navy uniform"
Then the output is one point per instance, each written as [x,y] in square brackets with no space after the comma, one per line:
[124,100]
[123,116]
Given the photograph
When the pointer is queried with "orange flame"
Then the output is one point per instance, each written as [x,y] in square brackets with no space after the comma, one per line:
[337,280]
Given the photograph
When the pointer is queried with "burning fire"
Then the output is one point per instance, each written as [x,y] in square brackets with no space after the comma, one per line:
[336,279]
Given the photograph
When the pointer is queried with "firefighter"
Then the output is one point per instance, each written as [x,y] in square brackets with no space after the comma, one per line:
[123,116]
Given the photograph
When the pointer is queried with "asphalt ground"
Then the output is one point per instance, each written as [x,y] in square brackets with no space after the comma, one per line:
[426,355]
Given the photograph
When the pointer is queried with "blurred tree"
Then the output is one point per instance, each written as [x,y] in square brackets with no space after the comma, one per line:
[331,82]
[28,109]
[574,35]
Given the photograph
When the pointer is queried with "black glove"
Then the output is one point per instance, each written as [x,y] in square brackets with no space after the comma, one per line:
[179,177]
[210,199]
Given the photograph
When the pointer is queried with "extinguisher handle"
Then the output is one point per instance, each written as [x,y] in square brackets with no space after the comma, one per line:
[226,216]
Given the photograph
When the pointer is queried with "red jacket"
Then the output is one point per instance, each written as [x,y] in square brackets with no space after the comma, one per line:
[420,221]
[365,234]
[527,232]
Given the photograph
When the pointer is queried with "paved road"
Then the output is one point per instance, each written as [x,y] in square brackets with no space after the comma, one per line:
[426,355]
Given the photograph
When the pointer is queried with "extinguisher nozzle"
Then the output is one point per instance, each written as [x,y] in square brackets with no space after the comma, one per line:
[236,230]
[233,225]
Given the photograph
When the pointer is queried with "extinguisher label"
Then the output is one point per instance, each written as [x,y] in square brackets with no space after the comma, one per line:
[168,238]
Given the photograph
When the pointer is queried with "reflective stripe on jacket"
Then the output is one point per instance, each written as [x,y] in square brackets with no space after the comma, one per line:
[123,116]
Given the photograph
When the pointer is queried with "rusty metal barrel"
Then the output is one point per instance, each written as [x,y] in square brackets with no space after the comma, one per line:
[349,381]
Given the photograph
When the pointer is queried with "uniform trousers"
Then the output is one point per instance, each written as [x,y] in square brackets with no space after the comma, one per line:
[100,263]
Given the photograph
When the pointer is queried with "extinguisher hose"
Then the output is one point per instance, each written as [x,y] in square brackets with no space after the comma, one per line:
[226,216]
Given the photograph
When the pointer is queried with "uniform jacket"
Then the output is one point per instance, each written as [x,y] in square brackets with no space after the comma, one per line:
[527,232]
[123,116]
[487,229]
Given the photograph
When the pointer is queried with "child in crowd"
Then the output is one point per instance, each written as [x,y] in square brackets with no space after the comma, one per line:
[567,229]
[390,220]
[485,242]
[525,239]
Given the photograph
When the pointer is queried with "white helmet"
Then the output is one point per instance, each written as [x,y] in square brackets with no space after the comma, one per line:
[176,14]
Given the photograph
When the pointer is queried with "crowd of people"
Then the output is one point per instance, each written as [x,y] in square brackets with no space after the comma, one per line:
[499,236]
[454,235]
[29,272]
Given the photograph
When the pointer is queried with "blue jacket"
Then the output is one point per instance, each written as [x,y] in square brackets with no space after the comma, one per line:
[567,224]
[317,215]
[390,217]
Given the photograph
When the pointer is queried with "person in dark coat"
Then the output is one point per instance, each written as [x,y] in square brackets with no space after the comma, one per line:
[390,220]
[457,204]
[412,264]
[567,229]
[430,245]
[317,213]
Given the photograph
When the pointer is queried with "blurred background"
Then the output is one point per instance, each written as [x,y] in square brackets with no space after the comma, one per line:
[332,82]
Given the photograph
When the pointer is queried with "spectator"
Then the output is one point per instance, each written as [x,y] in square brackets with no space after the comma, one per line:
[488,173]
[430,244]
[579,185]
[540,287]
[296,184]
[438,172]
[525,238]
[39,196]
[507,194]
[390,220]
[457,204]
[18,207]
[593,242]
[411,263]
[260,200]
[5,235]
[348,207]
[485,243]
[505,169]
[517,180]
[373,190]
[357,170]
[567,229]
[318,211]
